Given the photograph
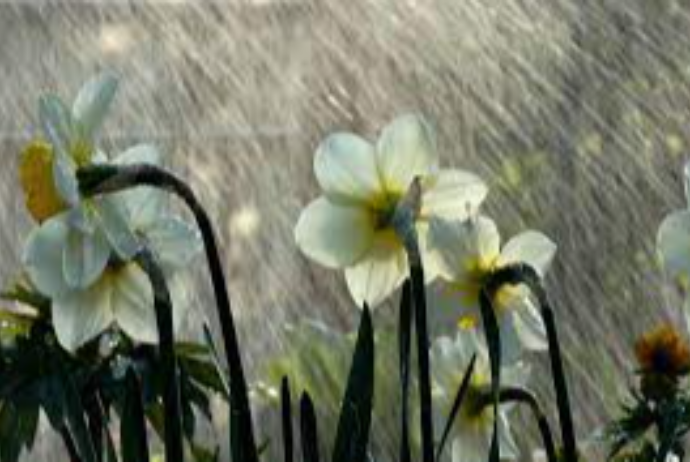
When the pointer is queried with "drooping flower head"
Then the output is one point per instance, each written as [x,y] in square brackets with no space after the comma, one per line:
[94,227]
[473,427]
[351,226]
[469,253]
[121,293]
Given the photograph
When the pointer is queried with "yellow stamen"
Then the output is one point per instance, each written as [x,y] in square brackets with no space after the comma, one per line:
[467,322]
[36,177]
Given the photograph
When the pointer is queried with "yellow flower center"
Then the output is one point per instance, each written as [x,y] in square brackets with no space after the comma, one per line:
[382,207]
[36,177]
[477,271]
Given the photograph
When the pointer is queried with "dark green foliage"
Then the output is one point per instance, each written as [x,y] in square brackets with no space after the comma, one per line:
[308,429]
[134,441]
[352,437]
[286,414]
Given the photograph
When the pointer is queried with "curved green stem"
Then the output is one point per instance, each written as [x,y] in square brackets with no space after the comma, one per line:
[107,178]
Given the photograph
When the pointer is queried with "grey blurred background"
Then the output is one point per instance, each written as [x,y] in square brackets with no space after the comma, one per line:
[576,112]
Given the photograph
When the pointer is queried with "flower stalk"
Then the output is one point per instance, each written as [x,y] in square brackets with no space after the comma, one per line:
[404,224]
[523,273]
[101,179]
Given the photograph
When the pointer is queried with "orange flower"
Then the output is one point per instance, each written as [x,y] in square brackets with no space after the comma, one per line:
[663,351]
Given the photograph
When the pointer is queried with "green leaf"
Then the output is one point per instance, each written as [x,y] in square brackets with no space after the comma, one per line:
[309,433]
[133,437]
[286,414]
[354,423]
[76,423]
[18,426]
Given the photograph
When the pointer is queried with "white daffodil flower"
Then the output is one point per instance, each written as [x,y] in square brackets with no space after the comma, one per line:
[468,253]
[350,227]
[121,294]
[673,246]
[472,430]
[95,225]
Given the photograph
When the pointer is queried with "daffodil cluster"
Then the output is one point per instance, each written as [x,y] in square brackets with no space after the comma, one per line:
[81,254]
[354,226]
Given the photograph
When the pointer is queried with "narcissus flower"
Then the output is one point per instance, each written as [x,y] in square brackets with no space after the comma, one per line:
[473,427]
[121,293]
[469,253]
[48,177]
[673,245]
[350,227]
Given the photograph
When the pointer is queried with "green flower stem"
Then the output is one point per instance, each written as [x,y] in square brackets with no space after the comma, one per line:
[104,179]
[403,222]
[174,440]
[493,340]
[404,335]
[522,273]
[519,395]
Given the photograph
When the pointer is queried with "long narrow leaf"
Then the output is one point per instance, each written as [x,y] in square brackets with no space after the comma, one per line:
[354,423]
[286,406]
[309,433]
[76,421]
[457,403]
[405,336]
[133,437]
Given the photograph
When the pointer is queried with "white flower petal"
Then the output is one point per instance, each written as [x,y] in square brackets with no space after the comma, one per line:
[43,257]
[139,154]
[452,195]
[406,149]
[530,247]
[111,216]
[345,167]
[433,264]
[673,244]
[84,257]
[132,304]
[461,245]
[65,177]
[92,103]
[57,123]
[511,347]
[471,445]
[530,327]
[80,316]
[382,270]
[174,242]
[509,449]
[334,235]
